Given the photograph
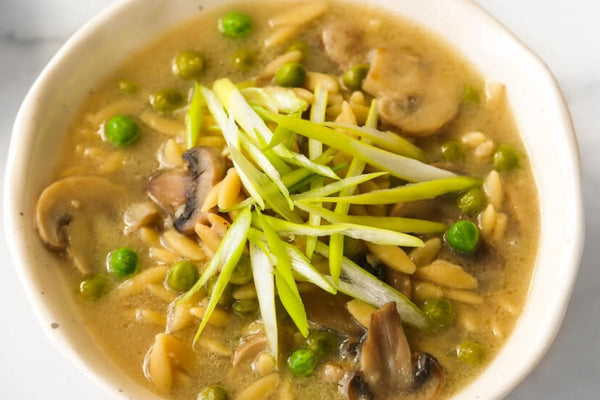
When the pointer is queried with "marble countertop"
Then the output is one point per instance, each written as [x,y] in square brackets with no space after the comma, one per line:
[566,34]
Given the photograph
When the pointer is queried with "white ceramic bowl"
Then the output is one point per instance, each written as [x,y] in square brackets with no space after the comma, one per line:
[101,45]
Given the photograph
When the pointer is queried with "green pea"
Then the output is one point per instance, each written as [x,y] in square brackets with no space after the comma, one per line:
[470,352]
[440,311]
[167,100]
[227,295]
[121,130]
[123,262]
[322,343]
[242,273]
[245,307]
[354,77]
[182,275]
[470,95]
[93,286]
[243,59]
[299,46]
[189,64]
[452,151]
[235,25]
[463,236]
[128,87]
[472,201]
[505,158]
[214,392]
[302,362]
[291,74]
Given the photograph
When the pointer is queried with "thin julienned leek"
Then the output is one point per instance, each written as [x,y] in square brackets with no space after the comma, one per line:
[383,139]
[359,284]
[226,258]
[406,193]
[193,118]
[315,149]
[284,278]
[397,224]
[367,233]
[262,271]
[397,165]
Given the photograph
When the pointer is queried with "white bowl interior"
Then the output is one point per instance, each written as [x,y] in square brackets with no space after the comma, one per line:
[534,96]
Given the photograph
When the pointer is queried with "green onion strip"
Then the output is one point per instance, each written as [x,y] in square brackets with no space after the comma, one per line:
[284,278]
[226,258]
[193,118]
[262,271]
[336,242]
[315,149]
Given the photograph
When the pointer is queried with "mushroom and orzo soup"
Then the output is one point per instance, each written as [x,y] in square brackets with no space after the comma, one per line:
[295,201]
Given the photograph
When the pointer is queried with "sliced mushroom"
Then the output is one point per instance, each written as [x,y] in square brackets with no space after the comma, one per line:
[386,359]
[330,312]
[429,377]
[355,388]
[168,189]
[64,211]
[413,96]
[174,190]
[344,44]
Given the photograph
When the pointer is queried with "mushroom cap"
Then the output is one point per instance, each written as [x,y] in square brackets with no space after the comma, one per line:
[67,215]
[385,358]
[65,199]
[416,98]
[344,43]
[177,189]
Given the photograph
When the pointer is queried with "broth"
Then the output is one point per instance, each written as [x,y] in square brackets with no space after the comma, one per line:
[126,318]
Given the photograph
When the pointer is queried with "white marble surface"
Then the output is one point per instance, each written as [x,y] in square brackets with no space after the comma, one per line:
[566,34]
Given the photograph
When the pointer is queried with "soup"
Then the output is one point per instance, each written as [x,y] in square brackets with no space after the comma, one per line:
[308,200]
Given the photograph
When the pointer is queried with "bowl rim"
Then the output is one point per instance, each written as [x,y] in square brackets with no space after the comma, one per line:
[14,176]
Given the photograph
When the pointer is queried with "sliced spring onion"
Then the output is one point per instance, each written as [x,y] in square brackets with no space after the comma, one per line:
[251,177]
[301,160]
[262,271]
[336,242]
[338,186]
[261,189]
[301,173]
[284,278]
[264,186]
[241,111]
[302,266]
[359,284]
[226,258]
[280,135]
[193,118]
[373,115]
[315,149]
[256,128]
[306,181]
[295,186]
[259,97]
[386,140]
[370,234]
[406,193]
[275,99]
[229,128]
[397,165]
[286,99]
[265,164]
[397,224]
